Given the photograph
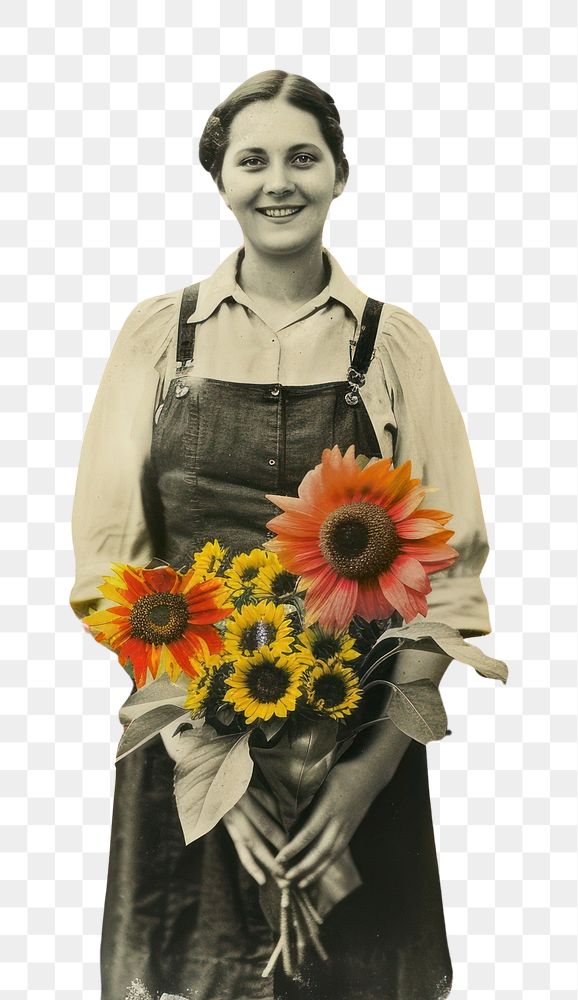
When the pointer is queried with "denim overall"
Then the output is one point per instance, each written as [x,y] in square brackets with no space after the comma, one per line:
[187,919]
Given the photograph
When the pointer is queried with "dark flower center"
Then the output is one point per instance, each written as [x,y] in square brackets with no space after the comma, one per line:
[256,635]
[159,618]
[325,646]
[267,682]
[359,540]
[249,573]
[216,688]
[283,583]
[331,688]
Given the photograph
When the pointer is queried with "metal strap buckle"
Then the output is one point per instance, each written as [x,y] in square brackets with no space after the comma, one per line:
[355,378]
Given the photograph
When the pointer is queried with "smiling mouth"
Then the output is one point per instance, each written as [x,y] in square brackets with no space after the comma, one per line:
[280,213]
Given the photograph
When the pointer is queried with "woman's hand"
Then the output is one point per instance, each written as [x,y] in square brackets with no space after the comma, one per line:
[338,809]
[254,827]
[341,803]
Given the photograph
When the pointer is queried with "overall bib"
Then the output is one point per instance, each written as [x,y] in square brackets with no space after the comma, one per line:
[187,919]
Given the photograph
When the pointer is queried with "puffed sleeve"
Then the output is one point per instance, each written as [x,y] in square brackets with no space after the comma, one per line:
[431,433]
[109,522]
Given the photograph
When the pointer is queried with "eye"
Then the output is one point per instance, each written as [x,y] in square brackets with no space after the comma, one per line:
[256,159]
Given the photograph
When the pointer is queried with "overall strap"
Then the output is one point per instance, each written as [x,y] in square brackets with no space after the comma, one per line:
[186,335]
[364,349]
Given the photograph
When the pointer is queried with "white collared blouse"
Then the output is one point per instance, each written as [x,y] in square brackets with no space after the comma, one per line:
[407,396]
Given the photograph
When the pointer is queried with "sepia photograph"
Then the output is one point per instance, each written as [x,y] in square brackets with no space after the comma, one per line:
[291,707]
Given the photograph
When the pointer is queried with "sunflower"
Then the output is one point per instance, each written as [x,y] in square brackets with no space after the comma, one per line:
[265,684]
[358,541]
[240,575]
[161,621]
[256,625]
[273,580]
[322,643]
[206,691]
[332,688]
[207,562]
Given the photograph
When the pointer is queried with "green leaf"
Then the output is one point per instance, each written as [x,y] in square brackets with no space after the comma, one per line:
[149,710]
[417,709]
[436,636]
[225,714]
[271,727]
[297,765]
[212,772]
[143,728]
[161,691]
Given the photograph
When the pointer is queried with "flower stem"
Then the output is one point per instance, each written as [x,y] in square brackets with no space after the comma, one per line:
[376,683]
[307,902]
[285,933]
[382,659]
[312,925]
[272,960]
[298,917]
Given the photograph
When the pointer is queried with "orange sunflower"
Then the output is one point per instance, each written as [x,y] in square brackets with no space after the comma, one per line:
[162,620]
[358,540]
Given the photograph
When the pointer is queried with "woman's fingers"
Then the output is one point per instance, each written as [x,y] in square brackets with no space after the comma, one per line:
[254,830]
[311,829]
[310,874]
[319,855]
[253,850]
[245,856]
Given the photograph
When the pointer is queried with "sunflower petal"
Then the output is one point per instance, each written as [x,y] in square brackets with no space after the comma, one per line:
[411,573]
[113,593]
[162,579]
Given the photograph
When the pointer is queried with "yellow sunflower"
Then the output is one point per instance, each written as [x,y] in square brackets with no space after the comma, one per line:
[323,643]
[332,688]
[205,692]
[273,580]
[240,576]
[207,562]
[265,684]
[256,625]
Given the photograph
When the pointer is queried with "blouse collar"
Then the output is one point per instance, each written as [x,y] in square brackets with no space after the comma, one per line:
[223,284]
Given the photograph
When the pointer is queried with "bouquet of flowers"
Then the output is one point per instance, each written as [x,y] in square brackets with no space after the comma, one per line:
[255,667]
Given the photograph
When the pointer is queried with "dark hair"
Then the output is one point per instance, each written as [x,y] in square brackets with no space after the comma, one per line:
[296,90]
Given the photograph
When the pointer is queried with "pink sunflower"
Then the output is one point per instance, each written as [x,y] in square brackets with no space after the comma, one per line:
[358,541]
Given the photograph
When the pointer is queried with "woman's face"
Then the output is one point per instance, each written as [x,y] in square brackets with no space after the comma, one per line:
[277,156]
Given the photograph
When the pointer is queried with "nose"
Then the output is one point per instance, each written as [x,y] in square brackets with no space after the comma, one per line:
[277,181]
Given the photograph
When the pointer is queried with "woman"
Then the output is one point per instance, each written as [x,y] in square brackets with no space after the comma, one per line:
[204,407]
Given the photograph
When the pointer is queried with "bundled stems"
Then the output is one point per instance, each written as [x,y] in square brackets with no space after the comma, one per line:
[312,919]
[299,923]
